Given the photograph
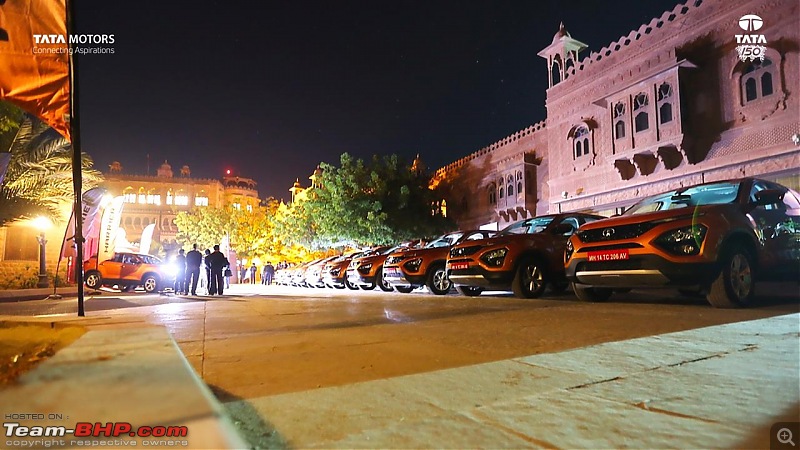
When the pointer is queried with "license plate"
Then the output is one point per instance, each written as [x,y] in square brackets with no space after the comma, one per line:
[609,255]
[459,266]
[392,272]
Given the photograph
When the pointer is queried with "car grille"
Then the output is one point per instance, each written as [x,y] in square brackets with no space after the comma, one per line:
[394,259]
[610,247]
[464,251]
[619,232]
[608,265]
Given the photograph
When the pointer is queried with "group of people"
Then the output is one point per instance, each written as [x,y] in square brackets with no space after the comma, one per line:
[216,270]
[215,264]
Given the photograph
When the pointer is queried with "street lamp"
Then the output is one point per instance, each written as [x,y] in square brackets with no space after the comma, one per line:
[42,224]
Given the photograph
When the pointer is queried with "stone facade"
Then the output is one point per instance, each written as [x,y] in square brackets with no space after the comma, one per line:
[667,105]
[158,199]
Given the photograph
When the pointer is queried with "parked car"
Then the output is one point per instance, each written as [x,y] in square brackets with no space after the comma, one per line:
[407,270]
[367,270]
[312,275]
[128,271]
[716,238]
[526,257]
[334,274]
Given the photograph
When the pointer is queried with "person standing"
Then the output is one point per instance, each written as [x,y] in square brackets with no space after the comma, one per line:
[218,262]
[193,261]
[253,270]
[180,276]
[269,272]
[207,265]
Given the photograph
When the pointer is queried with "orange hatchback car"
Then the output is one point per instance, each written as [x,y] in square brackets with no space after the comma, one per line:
[715,239]
[128,270]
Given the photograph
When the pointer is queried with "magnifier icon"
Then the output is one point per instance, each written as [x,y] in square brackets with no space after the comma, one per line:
[785,436]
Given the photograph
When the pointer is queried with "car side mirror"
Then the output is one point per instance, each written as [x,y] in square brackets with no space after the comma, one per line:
[769,197]
[564,229]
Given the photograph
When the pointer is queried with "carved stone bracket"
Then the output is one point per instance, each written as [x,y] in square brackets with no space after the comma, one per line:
[646,162]
[670,156]
[625,168]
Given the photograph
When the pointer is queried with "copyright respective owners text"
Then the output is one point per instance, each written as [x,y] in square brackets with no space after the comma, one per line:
[57,430]
[783,435]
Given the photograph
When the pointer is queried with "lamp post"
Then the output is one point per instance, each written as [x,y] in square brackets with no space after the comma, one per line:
[42,224]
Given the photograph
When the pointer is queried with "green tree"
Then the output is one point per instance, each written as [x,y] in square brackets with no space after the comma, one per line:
[10,119]
[383,202]
[39,176]
[203,226]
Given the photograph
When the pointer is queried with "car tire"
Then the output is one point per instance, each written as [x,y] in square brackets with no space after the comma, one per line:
[734,286]
[469,291]
[404,289]
[383,284]
[93,280]
[529,280]
[150,283]
[350,285]
[438,283]
[590,293]
[367,287]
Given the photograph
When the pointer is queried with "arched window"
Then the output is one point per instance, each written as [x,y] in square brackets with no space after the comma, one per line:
[142,199]
[665,103]
[128,195]
[501,192]
[170,197]
[581,141]
[567,66]
[181,198]
[641,120]
[555,71]
[153,197]
[757,80]
[201,199]
[519,182]
[619,120]
[492,194]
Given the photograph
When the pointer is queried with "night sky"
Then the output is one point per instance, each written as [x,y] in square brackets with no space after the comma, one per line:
[270,89]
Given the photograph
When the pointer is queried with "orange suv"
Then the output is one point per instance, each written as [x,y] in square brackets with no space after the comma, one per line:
[526,256]
[714,238]
[128,270]
[406,270]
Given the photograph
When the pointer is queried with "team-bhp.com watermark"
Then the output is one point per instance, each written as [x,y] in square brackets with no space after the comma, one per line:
[83,44]
[87,434]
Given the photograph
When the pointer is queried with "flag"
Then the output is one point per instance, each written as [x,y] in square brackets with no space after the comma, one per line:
[147,239]
[109,225]
[90,205]
[34,56]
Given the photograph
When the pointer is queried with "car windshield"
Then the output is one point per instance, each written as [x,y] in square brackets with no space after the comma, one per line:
[527,226]
[445,241]
[706,194]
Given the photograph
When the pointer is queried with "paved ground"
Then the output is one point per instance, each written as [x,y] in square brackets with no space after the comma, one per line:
[350,368]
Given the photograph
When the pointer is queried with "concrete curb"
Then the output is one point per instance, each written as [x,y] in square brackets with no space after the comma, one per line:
[132,375]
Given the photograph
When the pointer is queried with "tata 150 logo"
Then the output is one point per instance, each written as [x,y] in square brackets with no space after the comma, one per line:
[751,46]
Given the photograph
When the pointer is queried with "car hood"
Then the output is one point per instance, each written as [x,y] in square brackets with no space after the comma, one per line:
[656,216]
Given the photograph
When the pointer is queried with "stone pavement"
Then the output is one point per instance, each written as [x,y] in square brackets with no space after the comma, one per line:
[716,387]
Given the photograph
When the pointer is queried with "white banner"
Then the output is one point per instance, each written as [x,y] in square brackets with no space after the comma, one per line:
[147,239]
[90,203]
[109,225]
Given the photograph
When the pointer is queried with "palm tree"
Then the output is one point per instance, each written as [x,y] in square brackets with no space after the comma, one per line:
[39,177]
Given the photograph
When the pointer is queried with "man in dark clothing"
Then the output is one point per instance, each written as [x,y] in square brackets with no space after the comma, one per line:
[180,276]
[193,261]
[208,270]
[218,262]
[253,270]
[269,271]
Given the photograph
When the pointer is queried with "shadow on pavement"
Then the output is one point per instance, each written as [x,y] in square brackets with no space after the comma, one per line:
[248,422]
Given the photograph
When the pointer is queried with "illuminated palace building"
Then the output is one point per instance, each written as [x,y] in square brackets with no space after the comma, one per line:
[158,199]
[676,102]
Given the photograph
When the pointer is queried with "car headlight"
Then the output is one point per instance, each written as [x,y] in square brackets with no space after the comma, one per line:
[684,241]
[170,269]
[568,251]
[495,258]
[335,272]
[413,265]
[365,267]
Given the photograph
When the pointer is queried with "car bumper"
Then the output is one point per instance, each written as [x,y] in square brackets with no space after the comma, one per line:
[478,276]
[399,278]
[641,271]
[355,277]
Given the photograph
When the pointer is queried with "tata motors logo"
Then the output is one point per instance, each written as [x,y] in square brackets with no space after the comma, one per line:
[751,46]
